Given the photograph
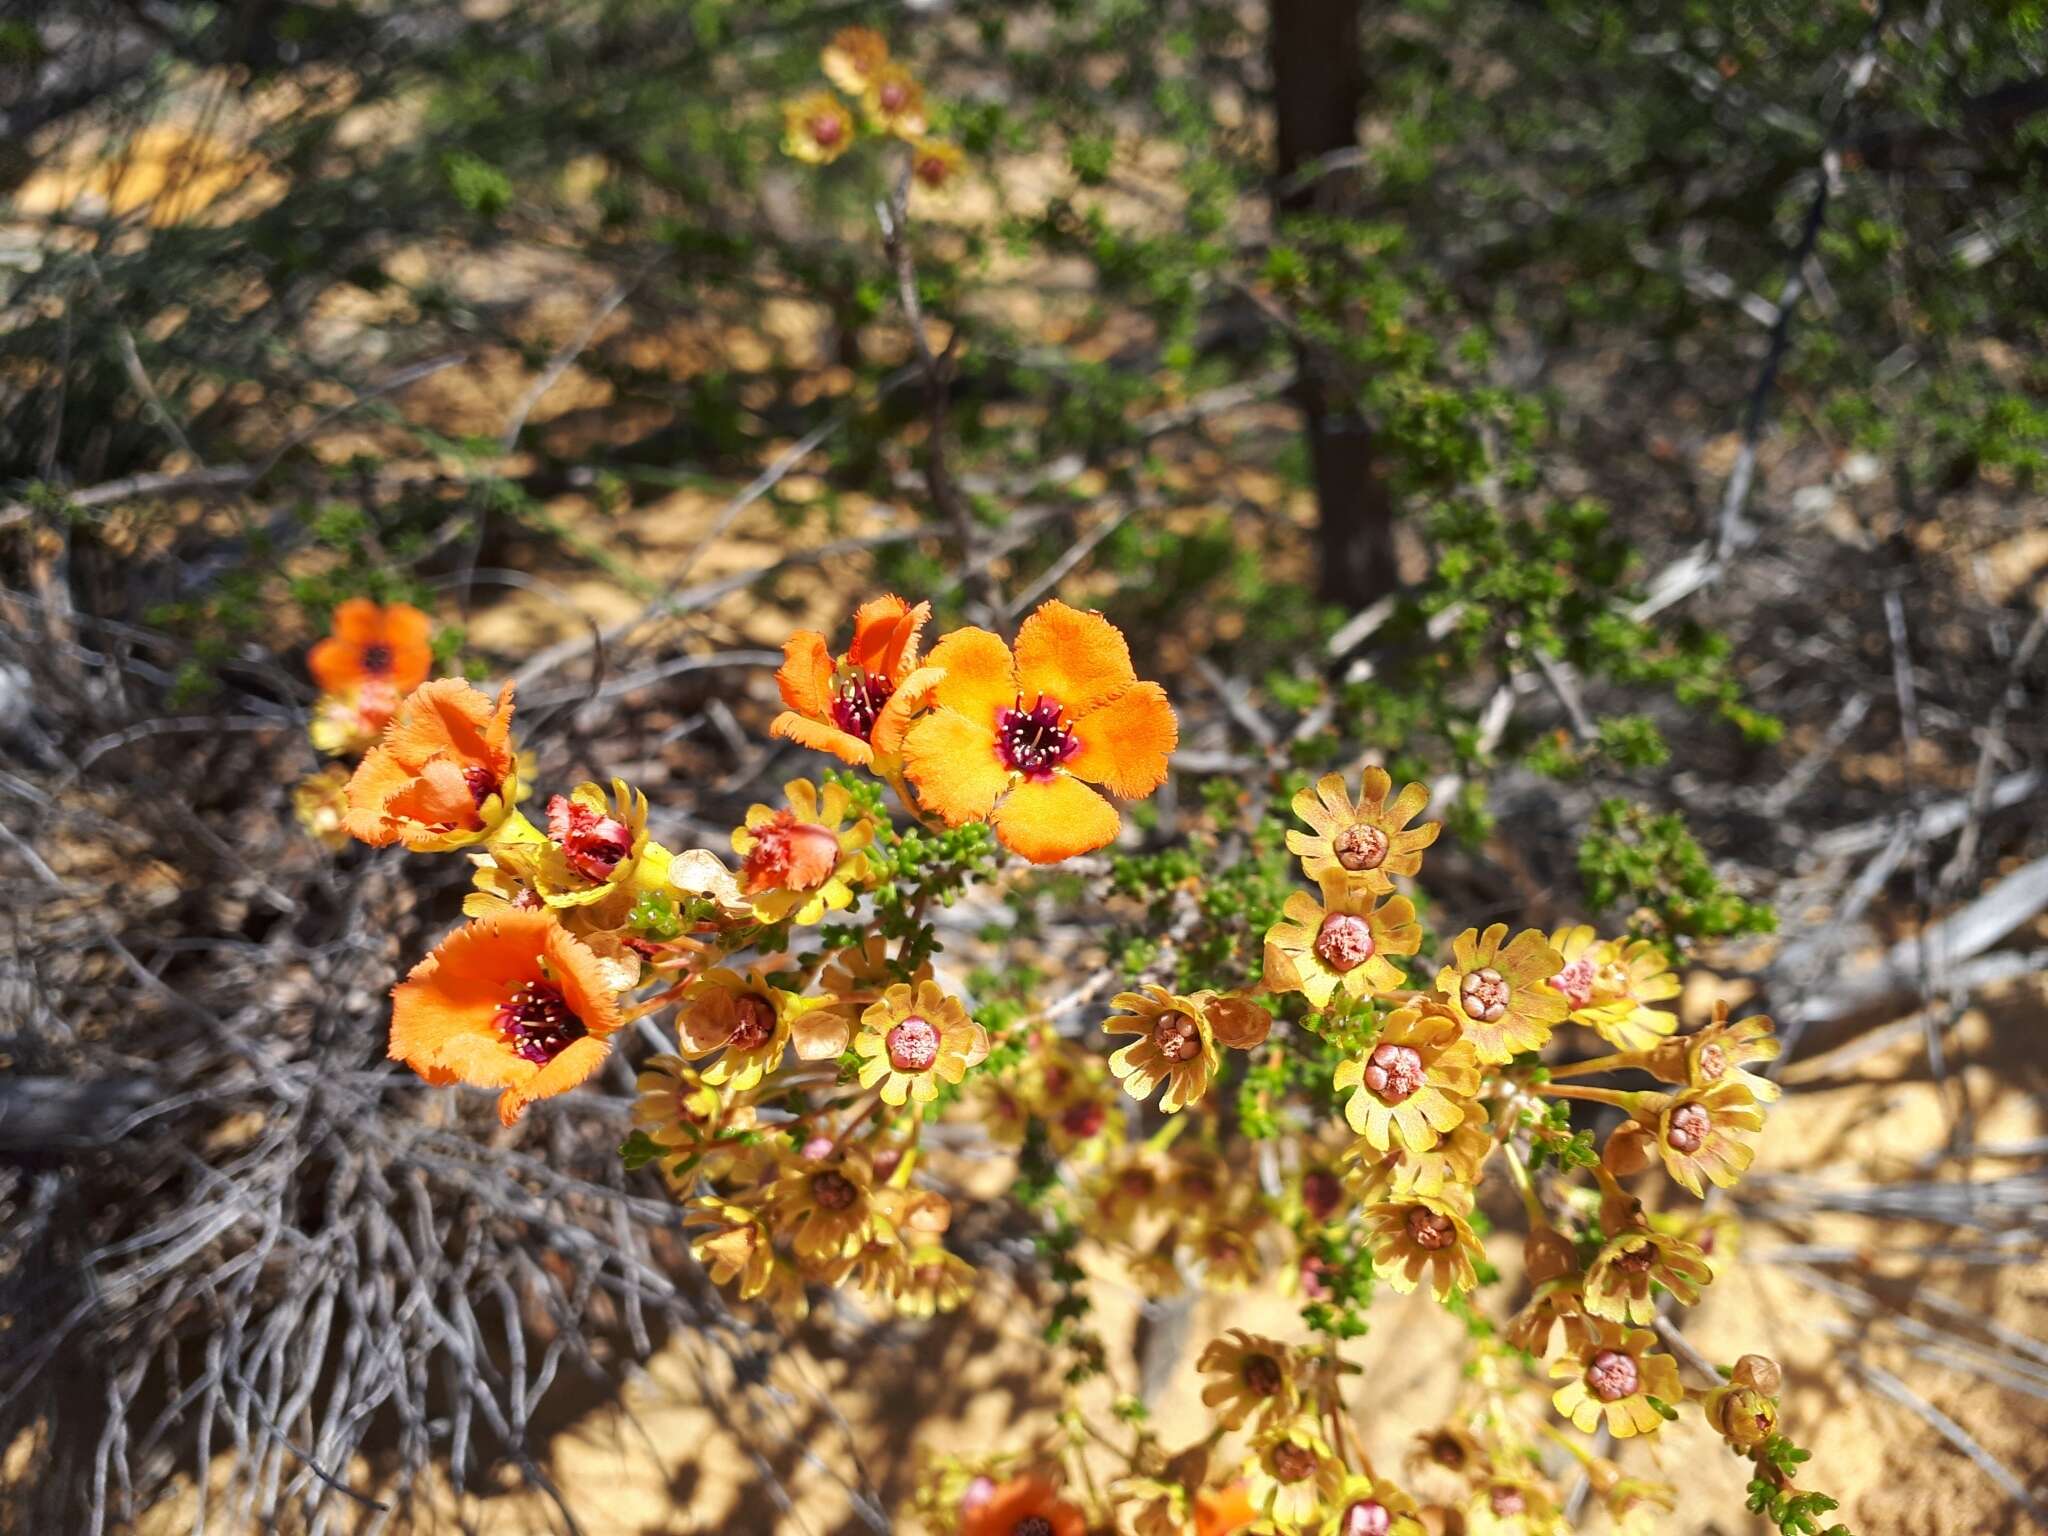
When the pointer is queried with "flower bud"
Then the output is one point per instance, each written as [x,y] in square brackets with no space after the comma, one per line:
[1743,1416]
[1547,1254]
[1628,1149]
[1760,1372]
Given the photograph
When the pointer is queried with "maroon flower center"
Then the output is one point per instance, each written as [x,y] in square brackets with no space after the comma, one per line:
[913,1045]
[1636,1261]
[833,1191]
[1447,1451]
[826,130]
[1484,994]
[1032,1525]
[1322,1192]
[1292,1462]
[1575,981]
[1431,1230]
[1177,1036]
[893,96]
[1137,1183]
[1034,741]
[593,844]
[537,1022]
[887,1160]
[859,700]
[377,659]
[1261,1375]
[1507,1502]
[1613,1375]
[1711,1062]
[1360,847]
[932,170]
[1366,1517]
[1393,1072]
[1688,1129]
[1083,1120]
[482,783]
[756,1023]
[1344,942]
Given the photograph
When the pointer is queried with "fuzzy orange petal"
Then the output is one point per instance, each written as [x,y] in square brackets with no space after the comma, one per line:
[1054,819]
[1125,742]
[910,697]
[819,737]
[436,796]
[885,631]
[357,622]
[409,634]
[576,1062]
[336,665]
[446,715]
[952,761]
[805,676]
[378,777]
[1077,658]
[980,679]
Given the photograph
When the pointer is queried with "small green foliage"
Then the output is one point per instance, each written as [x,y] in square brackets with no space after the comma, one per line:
[1632,857]
[638,1150]
[654,916]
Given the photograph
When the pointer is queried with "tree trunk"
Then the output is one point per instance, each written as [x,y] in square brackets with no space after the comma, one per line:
[1318,64]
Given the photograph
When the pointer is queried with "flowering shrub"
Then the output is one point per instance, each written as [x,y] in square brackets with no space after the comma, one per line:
[1308,1074]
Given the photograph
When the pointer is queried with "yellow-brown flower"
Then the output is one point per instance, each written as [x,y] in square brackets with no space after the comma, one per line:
[1178,1041]
[827,1204]
[1618,1280]
[1419,1232]
[1249,1378]
[745,1018]
[1415,1084]
[1500,990]
[1614,1373]
[816,128]
[914,1038]
[1346,942]
[1367,842]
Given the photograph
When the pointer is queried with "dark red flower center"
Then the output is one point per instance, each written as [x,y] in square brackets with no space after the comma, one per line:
[537,1022]
[1344,941]
[1688,1129]
[1366,1517]
[894,95]
[1034,741]
[932,170]
[913,1045]
[482,783]
[858,701]
[593,843]
[1394,1072]
[1293,1461]
[756,1023]
[1322,1192]
[833,1191]
[826,129]
[1636,1261]
[1432,1230]
[1360,847]
[1613,1375]
[1084,1119]
[1262,1376]
[377,659]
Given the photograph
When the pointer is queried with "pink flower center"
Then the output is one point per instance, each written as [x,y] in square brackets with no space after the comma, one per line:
[826,130]
[1711,1062]
[1034,741]
[593,844]
[1322,1192]
[977,1493]
[756,1023]
[1360,847]
[893,96]
[537,1022]
[1507,1502]
[859,700]
[1177,1037]
[1575,981]
[1366,1517]
[833,1191]
[817,1146]
[376,659]
[1313,1286]
[1083,1120]
[1484,994]
[1431,1230]
[790,855]
[913,1045]
[1613,1375]
[1688,1129]
[1293,1462]
[1261,1375]
[1393,1072]
[1344,942]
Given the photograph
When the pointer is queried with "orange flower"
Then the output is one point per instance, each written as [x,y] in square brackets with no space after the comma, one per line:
[1223,1511]
[368,644]
[1016,1504]
[858,707]
[445,774]
[853,56]
[509,1001]
[984,753]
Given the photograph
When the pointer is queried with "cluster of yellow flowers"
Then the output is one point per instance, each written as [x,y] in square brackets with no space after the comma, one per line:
[790,1115]
[820,126]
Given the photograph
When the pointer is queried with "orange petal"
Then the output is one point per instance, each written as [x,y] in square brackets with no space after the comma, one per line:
[910,697]
[436,796]
[1126,742]
[575,1063]
[805,677]
[1077,658]
[1053,819]
[952,761]
[981,677]
[336,665]
[377,778]
[410,635]
[819,737]
[885,631]
[357,622]
[446,715]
